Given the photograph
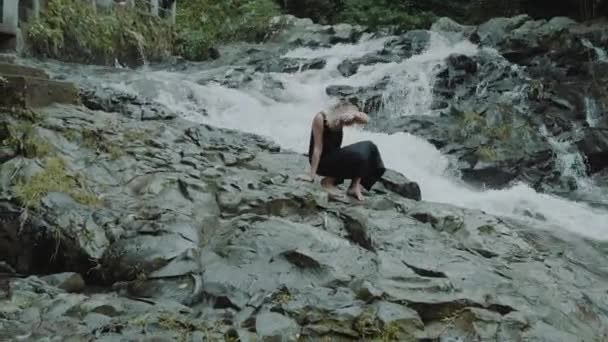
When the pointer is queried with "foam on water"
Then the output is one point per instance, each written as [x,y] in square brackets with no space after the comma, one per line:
[602,56]
[286,118]
[593,112]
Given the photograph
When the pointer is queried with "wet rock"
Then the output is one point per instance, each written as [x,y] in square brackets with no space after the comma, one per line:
[455,30]
[495,31]
[217,220]
[594,146]
[344,33]
[27,92]
[69,282]
[369,98]
[272,326]
[6,268]
[10,69]
[399,184]
[356,225]
[350,67]
[110,100]
[409,44]
[159,250]
[298,251]
[398,320]
[291,65]
[458,68]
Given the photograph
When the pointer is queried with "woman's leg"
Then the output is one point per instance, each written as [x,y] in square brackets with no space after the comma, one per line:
[355,189]
[360,162]
[329,185]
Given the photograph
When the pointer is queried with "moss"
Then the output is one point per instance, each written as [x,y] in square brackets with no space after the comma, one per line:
[282,297]
[390,332]
[486,153]
[134,135]
[27,114]
[181,327]
[24,139]
[502,132]
[73,30]
[365,325]
[471,117]
[71,134]
[53,178]
[95,140]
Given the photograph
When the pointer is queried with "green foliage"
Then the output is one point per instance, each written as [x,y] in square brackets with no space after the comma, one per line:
[486,153]
[502,132]
[73,30]
[377,13]
[404,14]
[96,141]
[134,135]
[321,11]
[204,23]
[53,178]
[24,139]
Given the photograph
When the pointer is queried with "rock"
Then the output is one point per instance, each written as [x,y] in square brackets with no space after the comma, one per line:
[8,58]
[495,31]
[6,268]
[272,326]
[594,146]
[344,33]
[161,250]
[399,321]
[10,69]
[69,282]
[356,225]
[369,98]
[109,100]
[448,26]
[291,65]
[458,68]
[27,92]
[411,43]
[399,184]
[96,321]
[207,234]
[350,67]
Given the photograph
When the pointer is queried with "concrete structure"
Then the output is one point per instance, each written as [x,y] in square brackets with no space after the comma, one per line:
[14,12]
[9,23]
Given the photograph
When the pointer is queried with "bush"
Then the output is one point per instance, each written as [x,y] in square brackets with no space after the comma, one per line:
[376,13]
[54,178]
[204,23]
[320,11]
[73,30]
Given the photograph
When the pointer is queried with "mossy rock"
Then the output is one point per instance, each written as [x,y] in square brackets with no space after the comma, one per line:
[54,178]
[10,69]
[27,92]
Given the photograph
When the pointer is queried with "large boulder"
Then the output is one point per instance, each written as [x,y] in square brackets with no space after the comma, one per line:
[594,146]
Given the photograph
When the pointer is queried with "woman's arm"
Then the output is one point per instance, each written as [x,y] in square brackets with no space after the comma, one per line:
[317,132]
[361,118]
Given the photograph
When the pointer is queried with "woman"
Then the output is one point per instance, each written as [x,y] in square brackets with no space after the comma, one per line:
[361,162]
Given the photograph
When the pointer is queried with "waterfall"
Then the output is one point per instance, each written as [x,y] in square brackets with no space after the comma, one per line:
[284,113]
[593,112]
[602,56]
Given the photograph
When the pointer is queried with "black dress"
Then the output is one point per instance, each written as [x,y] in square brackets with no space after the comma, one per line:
[359,160]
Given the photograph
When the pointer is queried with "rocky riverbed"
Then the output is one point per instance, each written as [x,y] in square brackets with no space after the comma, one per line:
[122,221]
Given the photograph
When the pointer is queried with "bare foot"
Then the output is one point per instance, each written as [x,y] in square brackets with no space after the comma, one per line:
[328,186]
[356,193]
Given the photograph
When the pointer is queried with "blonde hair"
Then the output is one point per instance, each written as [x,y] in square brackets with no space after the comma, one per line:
[333,114]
